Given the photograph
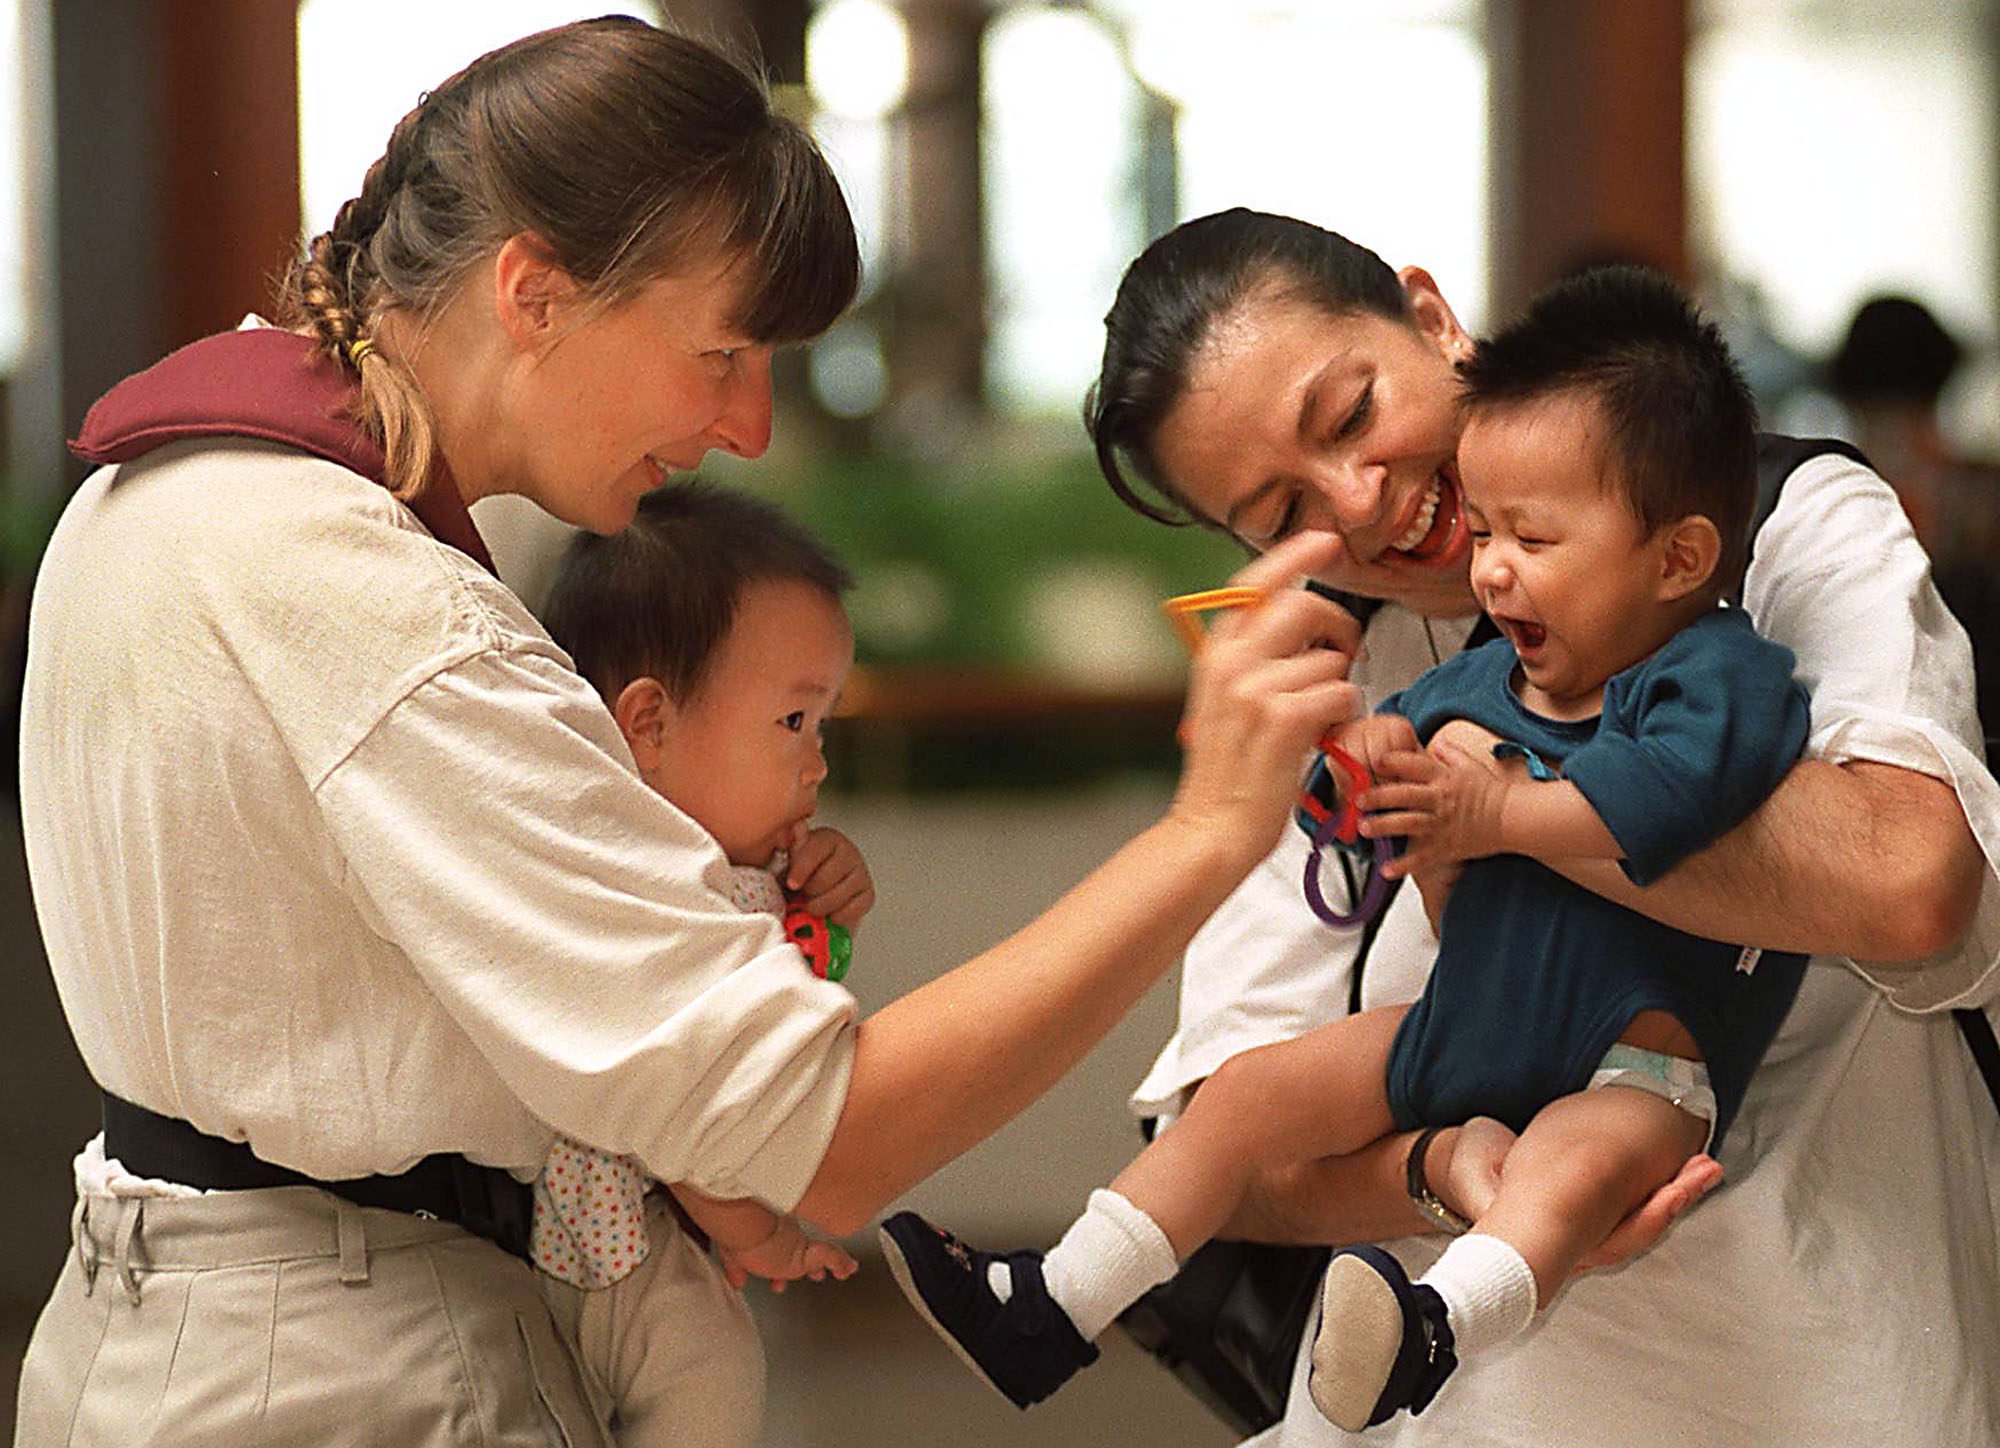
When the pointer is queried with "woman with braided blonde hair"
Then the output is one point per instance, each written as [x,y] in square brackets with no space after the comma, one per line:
[351,890]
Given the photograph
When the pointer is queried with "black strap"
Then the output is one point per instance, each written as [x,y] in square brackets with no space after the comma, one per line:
[1369,931]
[484,1200]
[1361,606]
[1978,1033]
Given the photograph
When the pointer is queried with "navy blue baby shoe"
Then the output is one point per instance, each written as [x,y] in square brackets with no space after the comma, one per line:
[1025,1347]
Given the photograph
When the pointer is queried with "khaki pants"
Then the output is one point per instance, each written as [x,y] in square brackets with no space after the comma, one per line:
[290,1317]
[671,1348]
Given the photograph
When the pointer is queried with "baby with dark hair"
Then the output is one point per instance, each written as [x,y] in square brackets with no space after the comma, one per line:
[1608,469]
[713,629]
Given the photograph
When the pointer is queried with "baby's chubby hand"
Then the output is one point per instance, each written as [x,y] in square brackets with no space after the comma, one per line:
[1376,740]
[788,1254]
[1447,802]
[825,874]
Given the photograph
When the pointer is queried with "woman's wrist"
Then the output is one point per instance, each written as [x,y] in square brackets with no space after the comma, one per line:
[1211,844]
[1428,1166]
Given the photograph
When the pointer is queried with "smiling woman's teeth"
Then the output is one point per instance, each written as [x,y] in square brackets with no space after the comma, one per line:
[1421,527]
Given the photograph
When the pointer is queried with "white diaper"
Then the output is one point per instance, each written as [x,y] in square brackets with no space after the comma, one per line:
[1671,1078]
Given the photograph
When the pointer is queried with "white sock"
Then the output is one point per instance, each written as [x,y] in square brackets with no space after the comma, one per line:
[1104,1263]
[1488,1292]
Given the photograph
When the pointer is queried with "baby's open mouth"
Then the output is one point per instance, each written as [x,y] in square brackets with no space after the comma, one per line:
[1525,635]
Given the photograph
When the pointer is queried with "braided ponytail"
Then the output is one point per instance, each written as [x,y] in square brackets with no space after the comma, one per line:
[333,289]
[624,149]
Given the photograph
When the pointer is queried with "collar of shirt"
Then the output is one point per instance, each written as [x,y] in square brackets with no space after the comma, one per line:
[268,383]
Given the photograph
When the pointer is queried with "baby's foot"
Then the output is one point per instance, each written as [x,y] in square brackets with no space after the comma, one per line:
[1025,1347]
[1383,1342]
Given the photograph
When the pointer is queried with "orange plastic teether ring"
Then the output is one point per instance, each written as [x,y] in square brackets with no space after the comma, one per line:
[1185,611]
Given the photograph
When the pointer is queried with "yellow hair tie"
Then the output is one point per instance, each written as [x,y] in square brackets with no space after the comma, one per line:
[358,349]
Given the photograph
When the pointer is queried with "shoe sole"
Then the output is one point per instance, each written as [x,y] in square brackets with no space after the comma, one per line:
[899,1268]
[1360,1334]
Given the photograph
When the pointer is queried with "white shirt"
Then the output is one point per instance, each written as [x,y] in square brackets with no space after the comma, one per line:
[1843,1287]
[335,854]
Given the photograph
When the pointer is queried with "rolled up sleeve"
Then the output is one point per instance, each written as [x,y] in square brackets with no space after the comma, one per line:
[1839,578]
[576,927]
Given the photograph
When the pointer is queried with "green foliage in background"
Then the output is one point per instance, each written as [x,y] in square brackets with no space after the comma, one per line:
[25,525]
[990,537]
[990,532]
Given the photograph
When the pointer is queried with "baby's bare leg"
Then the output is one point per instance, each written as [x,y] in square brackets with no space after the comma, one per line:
[1582,1165]
[1321,1094]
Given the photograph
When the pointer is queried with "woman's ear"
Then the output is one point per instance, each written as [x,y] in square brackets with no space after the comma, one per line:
[1689,553]
[1433,314]
[530,292]
[646,716]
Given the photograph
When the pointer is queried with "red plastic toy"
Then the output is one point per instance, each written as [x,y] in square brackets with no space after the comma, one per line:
[828,948]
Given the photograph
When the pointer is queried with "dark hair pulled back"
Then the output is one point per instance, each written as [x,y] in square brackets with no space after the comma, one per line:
[622,148]
[1169,301]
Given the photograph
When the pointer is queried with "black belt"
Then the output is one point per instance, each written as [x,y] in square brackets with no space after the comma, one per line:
[485,1200]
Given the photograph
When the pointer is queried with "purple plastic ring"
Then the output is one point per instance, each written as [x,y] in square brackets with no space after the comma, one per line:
[1372,895]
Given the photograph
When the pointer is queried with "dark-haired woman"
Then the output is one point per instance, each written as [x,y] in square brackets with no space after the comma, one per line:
[1264,376]
[348,884]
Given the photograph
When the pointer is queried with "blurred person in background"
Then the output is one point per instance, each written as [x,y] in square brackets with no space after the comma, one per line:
[1889,373]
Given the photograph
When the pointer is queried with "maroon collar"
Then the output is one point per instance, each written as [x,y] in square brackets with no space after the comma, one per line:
[267,383]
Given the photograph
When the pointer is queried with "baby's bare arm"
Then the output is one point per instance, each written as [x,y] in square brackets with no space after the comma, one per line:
[1861,860]
[731,1223]
[1454,803]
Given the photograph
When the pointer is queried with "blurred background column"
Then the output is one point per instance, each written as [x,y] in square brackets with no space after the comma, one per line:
[772,30]
[1589,101]
[229,159]
[105,64]
[936,342]
[175,159]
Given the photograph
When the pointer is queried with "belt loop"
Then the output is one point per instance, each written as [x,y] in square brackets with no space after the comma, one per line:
[130,1210]
[352,1233]
[86,1250]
